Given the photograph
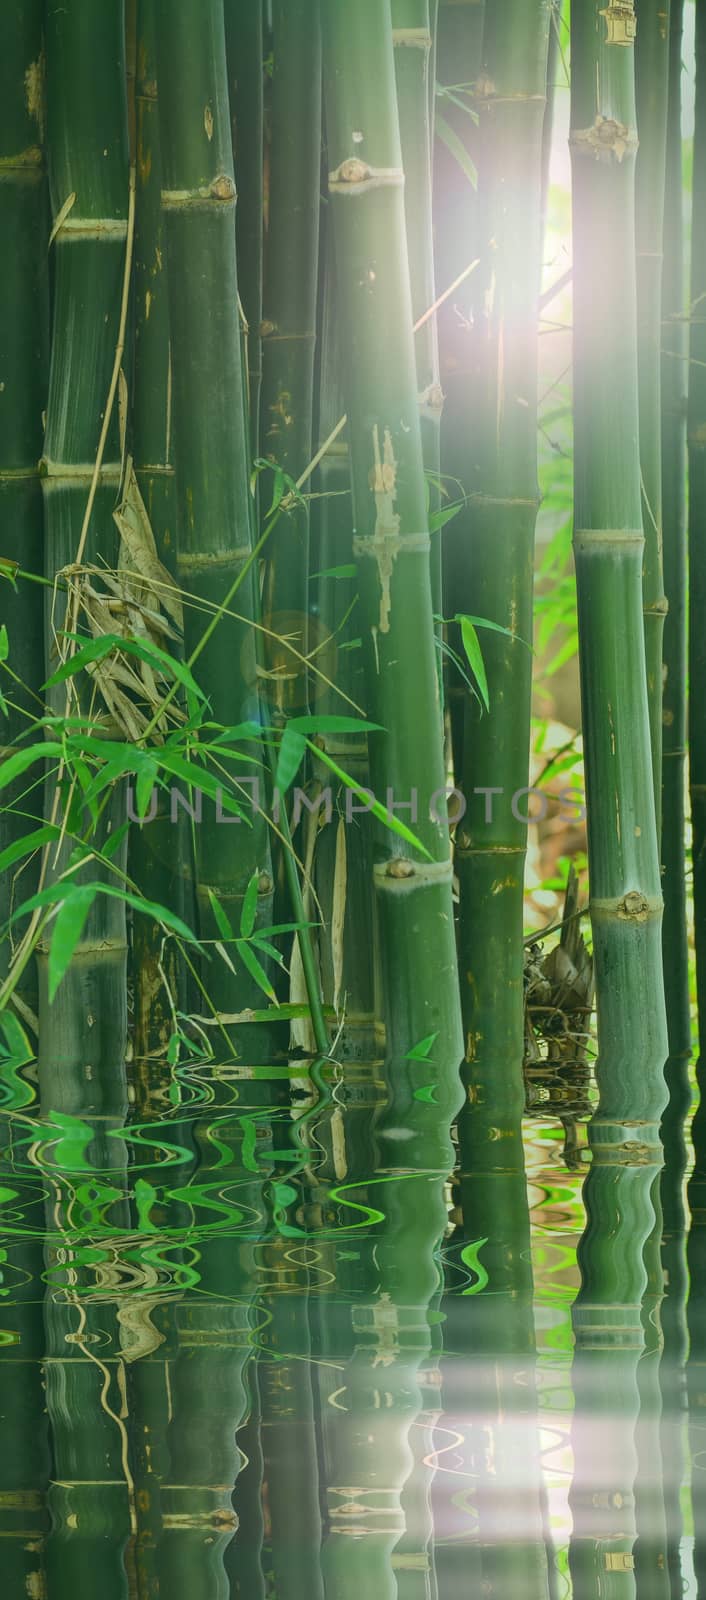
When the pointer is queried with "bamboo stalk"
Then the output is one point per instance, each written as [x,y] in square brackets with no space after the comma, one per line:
[289,321]
[674,935]
[459,50]
[626,905]
[244,53]
[83,1031]
[212,453]
[696,1191]
[24,340]
[367,1441]
[651,83]
[413,42]
[157,848]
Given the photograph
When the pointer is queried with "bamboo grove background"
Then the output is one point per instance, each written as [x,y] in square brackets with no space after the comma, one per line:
[274,284]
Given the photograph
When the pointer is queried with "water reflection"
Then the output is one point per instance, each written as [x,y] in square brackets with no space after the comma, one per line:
[240,1358]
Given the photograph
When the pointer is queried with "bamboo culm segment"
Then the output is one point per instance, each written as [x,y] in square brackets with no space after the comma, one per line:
[244,51]
[159,851]
[413,41]
[391,548]
[674,933]
[459,40]
[24,307]
[696,1248]
[82,1043]
[211,443]
[651,79]
[289,318]
[626,905]
[24,338]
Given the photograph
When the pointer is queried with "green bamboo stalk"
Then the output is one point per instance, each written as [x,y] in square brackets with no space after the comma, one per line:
[626,905]
[390,543]
[24,343]
[497,585]
[458,60]
[25,1466]
[651,84]
[696,1247]
[367,1440]
[244,51]
[344,845]
[157,848]
[674,935]
[289,320]
[212,453]
[83,1031]
[413,41]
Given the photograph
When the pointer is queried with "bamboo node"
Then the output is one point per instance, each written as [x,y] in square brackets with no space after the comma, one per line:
[621,22]
[606,139]
[400,868]
[354,176]
[634,905]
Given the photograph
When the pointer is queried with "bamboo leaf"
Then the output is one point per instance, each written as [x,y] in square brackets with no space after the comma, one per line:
[474,656]
[256,971]
[249,910]
[456,148]
[69,923]
[61,216]
[388,819]
[4,643]
[13,766]
[220,917]
[26,846]
[333,724]
[291,754]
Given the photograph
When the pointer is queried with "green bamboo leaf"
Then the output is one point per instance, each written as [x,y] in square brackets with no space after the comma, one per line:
[26,846]
[249,910]
[96,649]
[221,919]
[422,1050]
[438,519]
[494,627]
[4,643]
[386,817]
[256,971]
[291,754]
[456,148]
[144,786]
[13,766]
[68,926]
[475,657]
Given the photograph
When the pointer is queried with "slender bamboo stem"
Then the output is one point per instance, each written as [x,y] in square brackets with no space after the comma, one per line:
[458,61]
[244,51]
[212,453]
[626,905]
[83,1030]
[413,42]
[696,1248]
[651,82]
[368,1443]
[674,935]
[24,338]
[158,848]
[289,302]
